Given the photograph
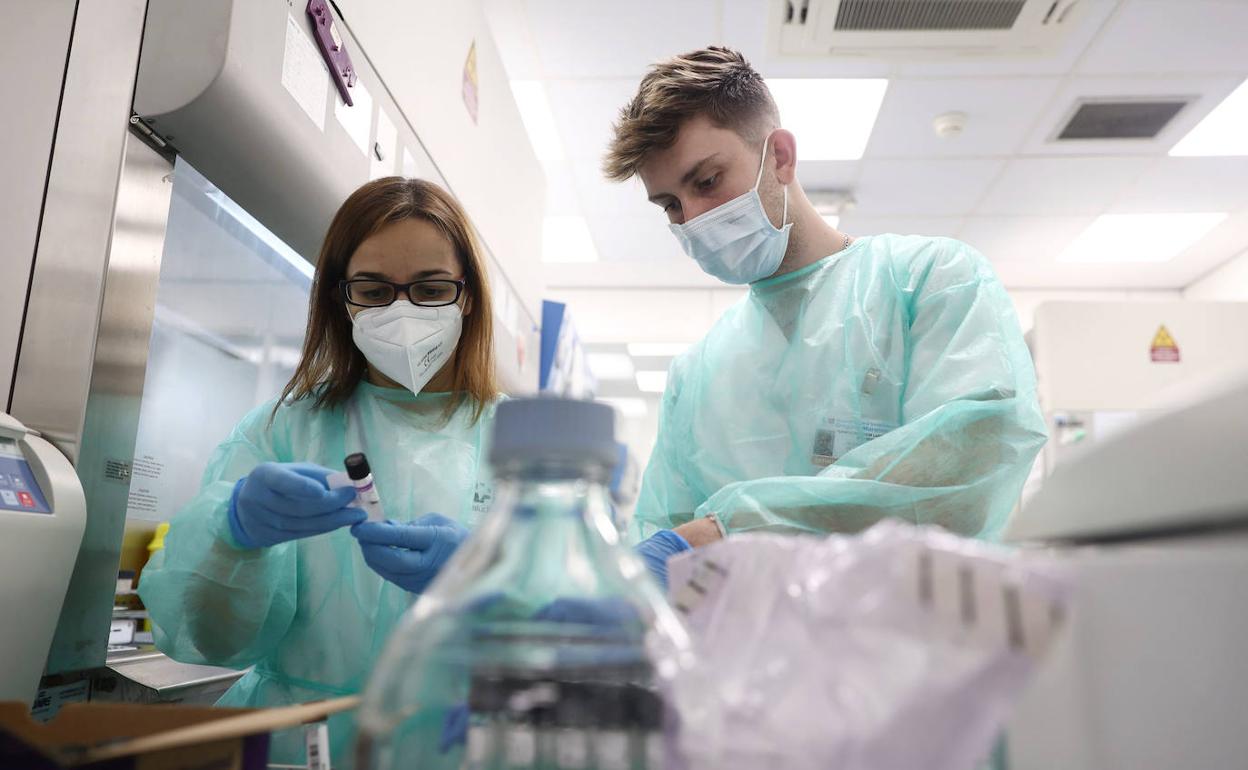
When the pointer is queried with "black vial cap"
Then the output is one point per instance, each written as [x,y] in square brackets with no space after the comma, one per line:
[357,466]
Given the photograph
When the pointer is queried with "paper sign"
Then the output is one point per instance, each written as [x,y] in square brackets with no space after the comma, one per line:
[470,84]
[304,75]
[1164,348]
[357,119]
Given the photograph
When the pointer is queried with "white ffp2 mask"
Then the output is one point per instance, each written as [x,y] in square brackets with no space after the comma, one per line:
[406,342]
[735,241]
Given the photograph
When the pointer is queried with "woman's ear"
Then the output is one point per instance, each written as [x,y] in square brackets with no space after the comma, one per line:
[467,308]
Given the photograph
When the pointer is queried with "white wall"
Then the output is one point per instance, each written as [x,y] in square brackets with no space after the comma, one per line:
[1093,356]
[1027,300]
[1228,283]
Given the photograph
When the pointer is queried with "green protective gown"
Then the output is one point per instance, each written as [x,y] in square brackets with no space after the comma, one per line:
[889,379]
[309,615]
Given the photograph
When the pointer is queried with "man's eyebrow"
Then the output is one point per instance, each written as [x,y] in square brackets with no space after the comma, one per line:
[688,177]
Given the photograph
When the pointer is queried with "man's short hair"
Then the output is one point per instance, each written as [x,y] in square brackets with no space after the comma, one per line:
[716,82]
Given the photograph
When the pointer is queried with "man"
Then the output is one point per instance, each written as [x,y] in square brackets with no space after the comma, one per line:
[860,378]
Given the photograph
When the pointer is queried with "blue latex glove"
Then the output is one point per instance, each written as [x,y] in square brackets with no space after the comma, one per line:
[278,502]
[661,546]
[605,613]
[454,728]
[409,554]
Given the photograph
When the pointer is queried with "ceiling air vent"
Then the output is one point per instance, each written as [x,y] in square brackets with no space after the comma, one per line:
[929,15]
[1128,119]
[928,28]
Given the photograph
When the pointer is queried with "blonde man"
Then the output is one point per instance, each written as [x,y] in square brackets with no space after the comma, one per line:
[860,378]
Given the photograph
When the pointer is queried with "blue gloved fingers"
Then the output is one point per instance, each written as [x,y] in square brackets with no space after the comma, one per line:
[454,728]
[435,520]
[321,522]
[282,480]
[389,560]
[312,471]
[325,501]
[660,547]
[612,611]
[412,536]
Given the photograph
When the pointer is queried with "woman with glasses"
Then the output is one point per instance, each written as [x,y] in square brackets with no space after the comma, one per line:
[268,566]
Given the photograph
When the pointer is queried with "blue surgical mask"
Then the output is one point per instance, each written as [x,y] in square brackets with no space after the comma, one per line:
[735,241]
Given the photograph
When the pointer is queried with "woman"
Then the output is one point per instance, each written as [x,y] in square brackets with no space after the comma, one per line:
[268,566]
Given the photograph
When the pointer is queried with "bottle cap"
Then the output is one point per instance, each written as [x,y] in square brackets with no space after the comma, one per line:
[357,466]
[559,430]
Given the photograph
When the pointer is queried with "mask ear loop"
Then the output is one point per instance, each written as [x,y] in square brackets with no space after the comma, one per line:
[784,217]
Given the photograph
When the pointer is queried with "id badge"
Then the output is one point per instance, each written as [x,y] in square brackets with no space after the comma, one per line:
[837,436]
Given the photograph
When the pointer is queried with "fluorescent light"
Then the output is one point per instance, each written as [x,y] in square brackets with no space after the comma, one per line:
[656,349]
[627,407]
[831,118]
[1224,131]
[538,119]
[652,382]
[1139,237]
[611,366]
[833,220]
[566,238]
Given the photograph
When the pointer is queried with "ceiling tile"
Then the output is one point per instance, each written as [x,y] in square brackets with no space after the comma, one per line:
[509,27]
[1036,240]
[826,174]
[923,187]
[858,225]
[1165,36]
[1188,185]
[1000,113]
[597,195]
[586,110]
[597,40]
[561,196]
[1061,186]
[633,239]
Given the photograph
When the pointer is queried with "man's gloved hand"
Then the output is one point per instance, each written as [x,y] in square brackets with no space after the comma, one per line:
[658,549]
[409,554]
[278,502]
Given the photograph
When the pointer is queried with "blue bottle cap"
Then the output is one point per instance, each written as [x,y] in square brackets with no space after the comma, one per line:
[559,430]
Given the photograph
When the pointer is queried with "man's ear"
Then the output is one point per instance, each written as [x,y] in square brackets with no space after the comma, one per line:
[784,150]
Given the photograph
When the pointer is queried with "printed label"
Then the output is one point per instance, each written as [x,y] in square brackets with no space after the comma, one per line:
[838,436]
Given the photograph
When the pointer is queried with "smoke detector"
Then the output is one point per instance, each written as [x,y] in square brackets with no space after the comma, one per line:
[949,124]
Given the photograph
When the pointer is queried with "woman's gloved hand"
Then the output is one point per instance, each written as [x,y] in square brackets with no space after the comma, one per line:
[278,502]
[409,554]
[660,547]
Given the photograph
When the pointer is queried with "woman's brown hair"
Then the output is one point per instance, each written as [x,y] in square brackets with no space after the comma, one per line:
[331,366]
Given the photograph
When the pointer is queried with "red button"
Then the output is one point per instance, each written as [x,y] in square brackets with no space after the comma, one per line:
[26,500]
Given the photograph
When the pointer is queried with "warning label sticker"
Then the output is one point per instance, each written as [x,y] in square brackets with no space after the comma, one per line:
[1164,348]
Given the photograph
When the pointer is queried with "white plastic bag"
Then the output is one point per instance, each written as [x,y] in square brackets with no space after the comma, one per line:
[897,649]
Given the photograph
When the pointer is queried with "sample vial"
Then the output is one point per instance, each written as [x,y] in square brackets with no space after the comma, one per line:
[365,491]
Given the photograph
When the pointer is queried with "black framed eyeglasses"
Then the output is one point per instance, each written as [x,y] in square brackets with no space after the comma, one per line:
[371,292]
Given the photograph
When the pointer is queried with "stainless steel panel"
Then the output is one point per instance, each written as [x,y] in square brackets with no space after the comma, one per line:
[151,677]
[112,410]
[39,54]
[58,342]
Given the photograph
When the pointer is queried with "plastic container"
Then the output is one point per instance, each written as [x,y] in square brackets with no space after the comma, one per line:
[543,643]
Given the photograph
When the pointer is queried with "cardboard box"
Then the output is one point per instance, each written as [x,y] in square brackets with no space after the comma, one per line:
[123,736]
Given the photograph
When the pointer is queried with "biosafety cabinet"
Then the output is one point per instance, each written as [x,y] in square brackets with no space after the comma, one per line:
[171,167]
